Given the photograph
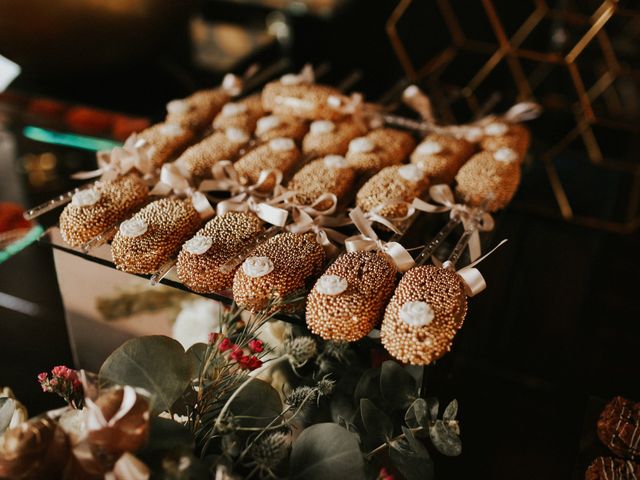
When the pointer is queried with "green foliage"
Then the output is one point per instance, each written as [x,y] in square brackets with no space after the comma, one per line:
[378,425]
[256,405]
[397,386]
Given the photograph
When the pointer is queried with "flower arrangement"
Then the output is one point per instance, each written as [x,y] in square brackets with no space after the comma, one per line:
[234,407]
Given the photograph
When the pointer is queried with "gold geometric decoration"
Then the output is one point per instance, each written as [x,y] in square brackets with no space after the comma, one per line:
[588,58]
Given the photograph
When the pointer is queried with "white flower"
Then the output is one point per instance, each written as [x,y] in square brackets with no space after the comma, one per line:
[237,135]
[267,123]
[411,172]
[335,161]
[257,266]
[505,155]
[232,109]
[416,314]
[282,144]
[133,228]
[473,134]
[430,147]
[361,145]
[331,285]
[496,128]
[411,91]
[177,107]
[85,198]
[198,244]
[291,79]
[197,318]
[322,126]
[171,130]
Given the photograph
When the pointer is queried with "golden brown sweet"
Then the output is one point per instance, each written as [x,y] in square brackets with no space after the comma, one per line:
[279,153]
[619,427]
[331,138]
[154,235]
[500,134]
[608,468]
[441,156]
[378,149]
[348,300]
[221,145]
[489,179]
[197,111]
[243,114]
[168,141]
[276,269]
[304,100]
[277,126]
[219,240]
[324,175]
[391,190]
[424,314]
[106,203]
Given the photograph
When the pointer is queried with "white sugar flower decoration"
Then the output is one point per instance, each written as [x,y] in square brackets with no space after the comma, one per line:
[85,198]
[133,228]
[416,314]
[361,145]
[198,244]
[322,126]
[256,267]
[331,285]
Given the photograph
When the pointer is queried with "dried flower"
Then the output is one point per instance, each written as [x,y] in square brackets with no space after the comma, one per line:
[64,382]
[301,396]
[256,346]
[254,362]
[236,353]
[337,350]
[213,337]
[269,451]
[225,345]
[300,350]
[384,475]
[325,387]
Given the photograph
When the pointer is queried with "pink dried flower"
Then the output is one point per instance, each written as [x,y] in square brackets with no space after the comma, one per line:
[225,345]
[256,346]
[254,362]
[213,337]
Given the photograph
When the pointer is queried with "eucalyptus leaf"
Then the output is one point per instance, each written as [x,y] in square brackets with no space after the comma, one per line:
[259,401]
[378,425]
[451,411]
[156,363]
[196,353]
[417,415]
[326,451]
[397,385]
[433,407]
[368,386]
[341,406]
[7,408]
[445,440]
[413,465]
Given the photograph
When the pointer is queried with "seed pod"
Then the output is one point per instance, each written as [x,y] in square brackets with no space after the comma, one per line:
[324,175]
[506,135]
[154,235]
[219,240]
[331,138]
[243,114]
[277,126]
[197,111]
[489,179]
[441,156]
[304,100]
[378,149]
[168,141]
[608,468]
[348,300]
[280,153]
[94,210]
[221,145]
[424,314]
[277,268]
[393,187]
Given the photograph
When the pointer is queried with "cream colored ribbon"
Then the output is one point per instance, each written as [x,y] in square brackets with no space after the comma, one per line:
[173,180]
[246,197]
[368,240]
[135,153]
[473,281]
[473,219]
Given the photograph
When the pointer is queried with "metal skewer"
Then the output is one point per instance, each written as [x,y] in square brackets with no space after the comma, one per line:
[55,202]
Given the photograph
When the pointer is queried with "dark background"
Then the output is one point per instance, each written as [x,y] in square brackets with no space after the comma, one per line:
[555,332]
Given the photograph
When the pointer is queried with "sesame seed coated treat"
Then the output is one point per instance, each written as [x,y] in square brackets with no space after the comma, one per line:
[390,186]
[619,427]
[280,153]
[304,100]
[94,210]
[198,110]
[506,135]
[279,267]
[276,126]
[331,138]
[154,235]
[348,300]
[378,149]
[441,156]
[168,141]
[324,175]
[424,314]
[220,239]
[608,468]
[243,114]
[489,180]
[221,145]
